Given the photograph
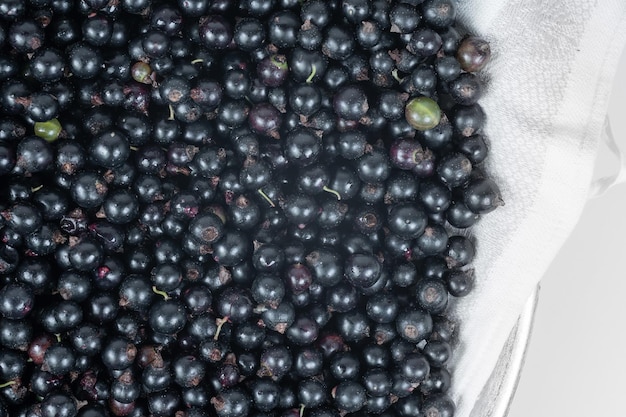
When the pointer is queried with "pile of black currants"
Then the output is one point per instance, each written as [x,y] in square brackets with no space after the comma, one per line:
[229,208]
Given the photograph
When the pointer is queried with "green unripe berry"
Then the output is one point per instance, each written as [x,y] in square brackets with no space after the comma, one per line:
[422,113]
[48,130]
[141,72]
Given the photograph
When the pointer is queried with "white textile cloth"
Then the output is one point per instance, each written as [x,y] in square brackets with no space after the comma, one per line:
[549,82]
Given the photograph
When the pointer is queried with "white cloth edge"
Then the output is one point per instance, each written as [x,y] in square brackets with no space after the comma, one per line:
[506,297]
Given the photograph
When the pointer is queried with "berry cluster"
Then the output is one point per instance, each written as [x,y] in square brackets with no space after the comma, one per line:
[235,208]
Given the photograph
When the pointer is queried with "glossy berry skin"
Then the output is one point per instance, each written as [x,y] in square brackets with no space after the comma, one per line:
[350,396]
[440,404]
[236,208]
[273,71]
[53,203]
[43,241]
[268,289]
[308,362]
[353,326]
[414,325]
[167,317]
[265,119]
[58,404]
[58,360]
[437,352]
[86,255]
[22,218]
[197,299]
[231,249]
[473,54]
[33,155]
[303,331]
[432,295]
[188,371]
[342,298]
[265,394]
[235,304]
[118,354]
[120,207]
[433,241]
[84,61]
[459,282]
[454,169]
[404,18]
[460,251]
[232,403]
[352,144]
[362,270]
[249,34]
[25,36]
[300,209]
[311,393]
[207,227]
[474,147]
[47,65]
[88,189]
[407,220]
[109,149]
[350,103]
[156,377]
[282,31]
[439,14]
[87,339]
[16,301]
[468,120]
[215,32]
[268,258]
[249,336]
[61,316]
[302,147]
[409,405]
[275,362]
[466,89]
[163,403]
[482,196]
[461,216]
[377,382]
[125,389]
[97,30]
[382,308]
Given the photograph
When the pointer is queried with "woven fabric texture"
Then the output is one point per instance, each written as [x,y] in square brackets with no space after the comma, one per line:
[549,83]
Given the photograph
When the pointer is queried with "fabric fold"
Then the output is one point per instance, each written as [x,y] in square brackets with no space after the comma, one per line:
[549,84]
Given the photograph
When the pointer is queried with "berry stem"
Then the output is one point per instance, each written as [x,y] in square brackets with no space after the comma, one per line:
[265,196]
[394,74]
[309,80]
[197,61]
[161,293]
[220,324]
[334,192]
[302,410]
[8,384]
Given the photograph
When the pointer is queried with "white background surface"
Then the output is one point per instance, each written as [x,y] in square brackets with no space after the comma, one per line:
[576,361]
